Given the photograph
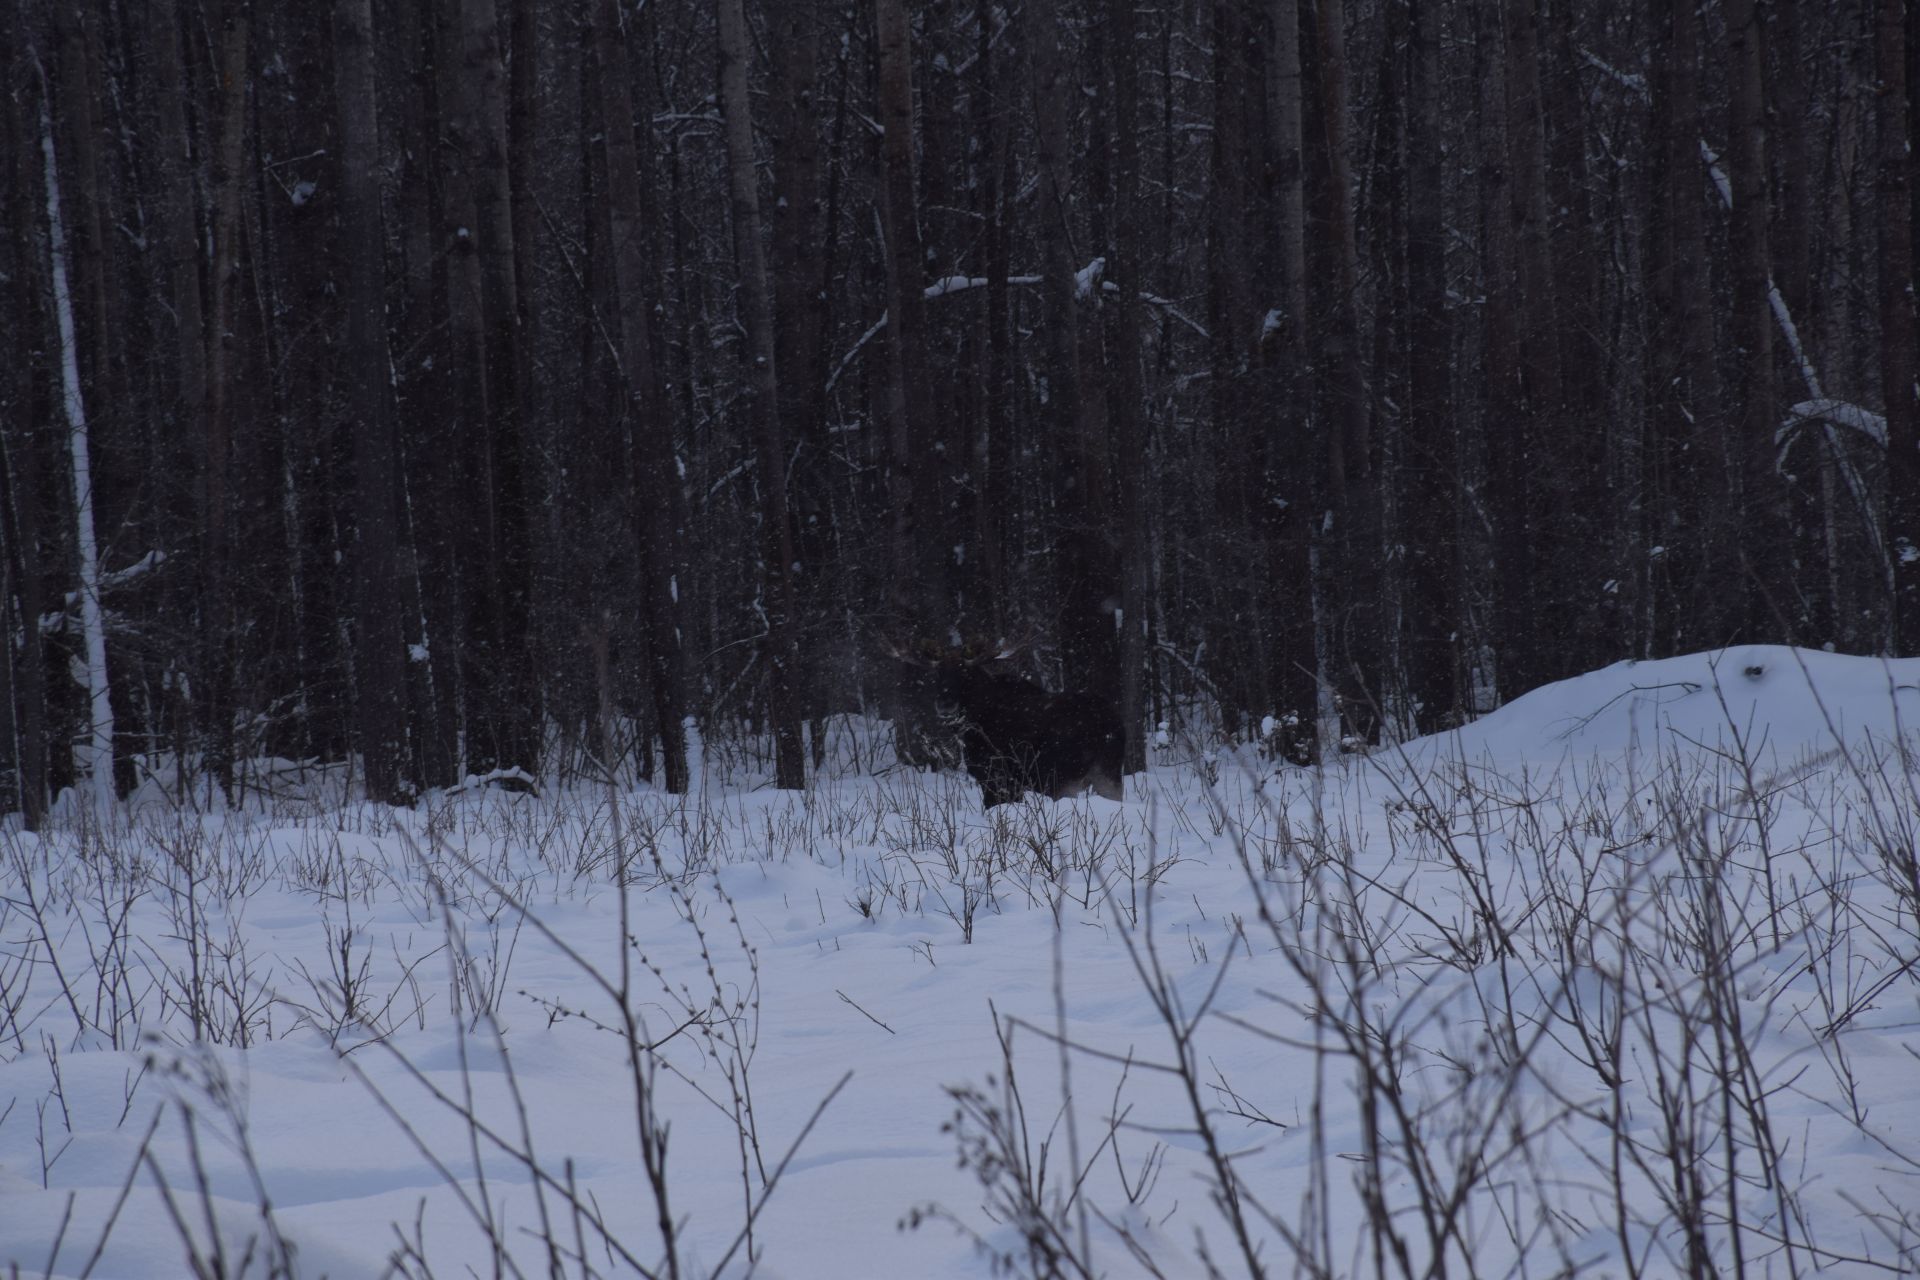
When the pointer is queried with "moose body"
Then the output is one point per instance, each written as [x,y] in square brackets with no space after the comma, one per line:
[1015,737]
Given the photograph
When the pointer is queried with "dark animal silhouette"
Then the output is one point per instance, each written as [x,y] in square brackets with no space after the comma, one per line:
[1015,737]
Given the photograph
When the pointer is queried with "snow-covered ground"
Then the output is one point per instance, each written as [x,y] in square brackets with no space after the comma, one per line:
[1621,979]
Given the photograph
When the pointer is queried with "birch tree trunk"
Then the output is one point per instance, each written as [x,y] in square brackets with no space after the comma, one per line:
[93,754]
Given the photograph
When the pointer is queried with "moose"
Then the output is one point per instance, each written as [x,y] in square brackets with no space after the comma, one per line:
[1016,737]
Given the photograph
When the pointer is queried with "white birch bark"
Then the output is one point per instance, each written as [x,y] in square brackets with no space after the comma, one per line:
[93,754]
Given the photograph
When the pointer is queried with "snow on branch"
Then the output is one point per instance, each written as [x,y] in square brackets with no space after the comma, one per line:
[1085,277]
[55,621]
[1839,413]
[1084,282]
[959,284]
[513,778]
[138,569]
[1631,80]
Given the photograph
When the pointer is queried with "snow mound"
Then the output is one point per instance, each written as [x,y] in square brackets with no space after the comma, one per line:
[1772,698]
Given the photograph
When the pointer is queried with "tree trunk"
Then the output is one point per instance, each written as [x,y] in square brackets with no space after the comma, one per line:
[917,564]
[94,752]
[380,675]
[20,612]
[78,133]
[1527,656]
[1760,544]
[1232,475]
[1897,324]
[918,567]
[993,485]
[20,526]
[776,533]
[1127,405]
[503,715]
[801,326]
[1088,588]
[1429,459]
[1347,562]
[180,241]
[216,448]
[1689,498]
[1296,678]
[654,463]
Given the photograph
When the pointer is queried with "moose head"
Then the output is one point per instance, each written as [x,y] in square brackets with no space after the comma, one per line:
[1016,737]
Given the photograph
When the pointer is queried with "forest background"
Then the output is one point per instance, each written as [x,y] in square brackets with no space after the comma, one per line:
[488,387]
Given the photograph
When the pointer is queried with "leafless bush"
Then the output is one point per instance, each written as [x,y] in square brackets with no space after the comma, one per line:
[1611,960]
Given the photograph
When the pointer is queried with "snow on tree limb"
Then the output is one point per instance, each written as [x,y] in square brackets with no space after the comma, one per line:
[1839,413]
[947,286]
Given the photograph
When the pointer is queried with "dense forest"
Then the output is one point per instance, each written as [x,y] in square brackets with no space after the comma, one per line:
[498,388]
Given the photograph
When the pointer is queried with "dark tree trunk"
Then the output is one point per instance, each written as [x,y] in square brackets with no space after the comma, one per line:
[485,512]
[77,110]
[1539,399]
[776,530]
[25,722]
[1127,404]
[1429,459]
[216,514]
[433,396]
[1235,598]
[176,170]
[1897,323]
[660,533]
[179,222]
[1684,393]
[993,487]
[1347,560]
[919,597]
[21,603]
[380,675]
[1296,677]
[1760,545]
[801,326]
[1089,588]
